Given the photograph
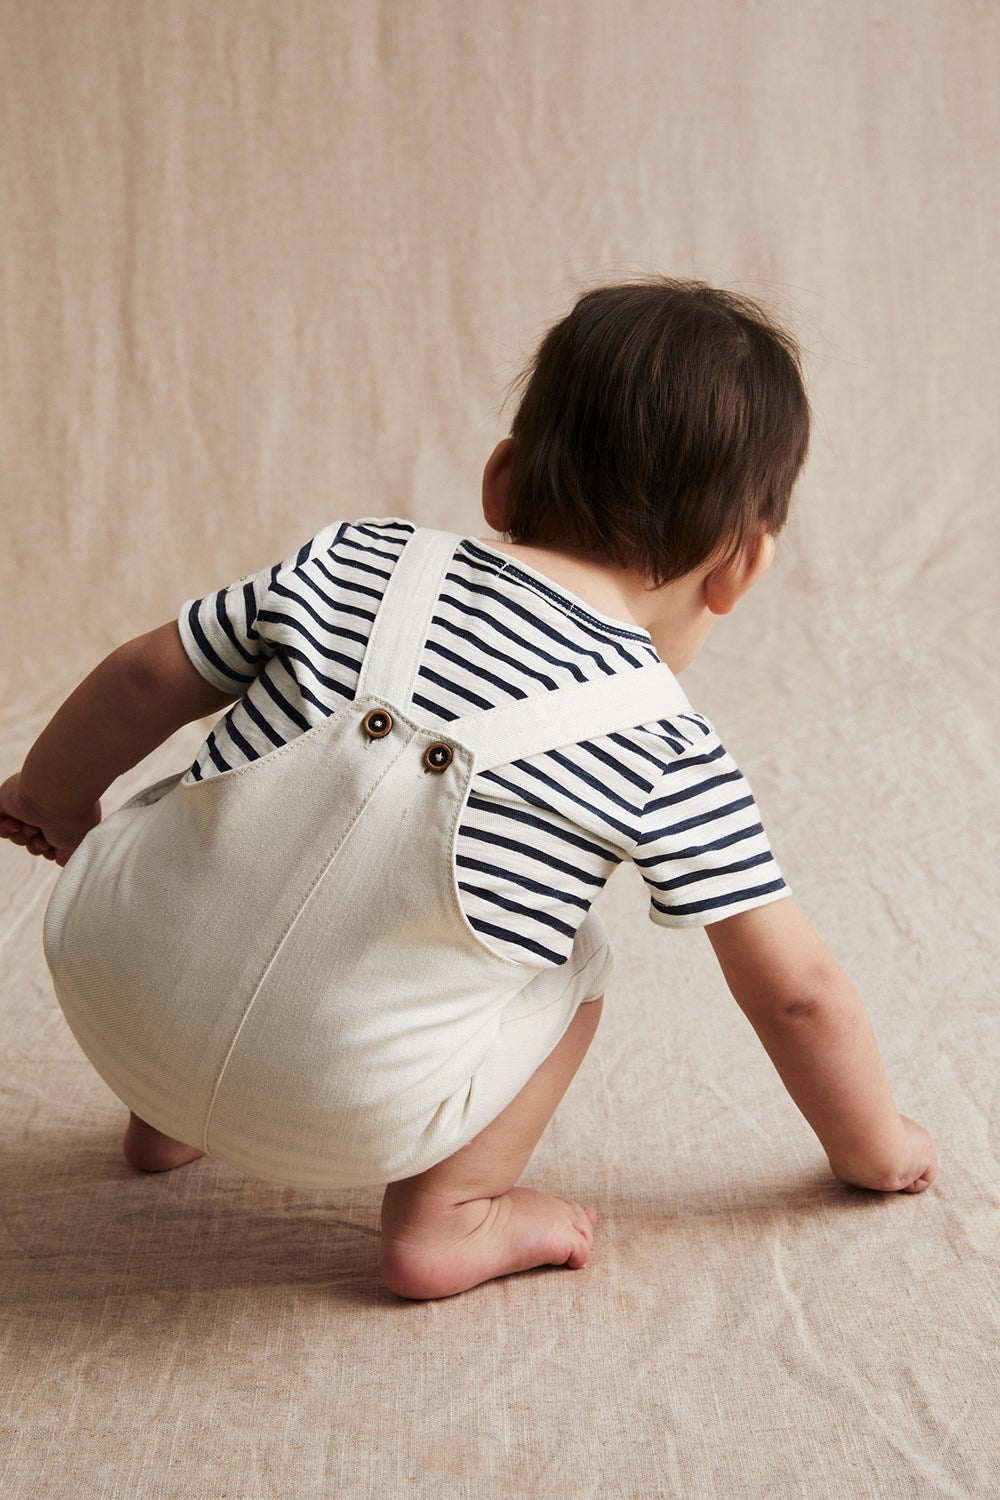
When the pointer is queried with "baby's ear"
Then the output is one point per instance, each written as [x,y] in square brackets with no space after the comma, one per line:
[764,549]
[729,580]
[496,477]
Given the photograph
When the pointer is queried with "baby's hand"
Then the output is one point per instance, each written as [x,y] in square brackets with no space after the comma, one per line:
[917,1165]
[52,835]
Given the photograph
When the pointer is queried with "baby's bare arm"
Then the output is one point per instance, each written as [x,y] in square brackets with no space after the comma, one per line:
[811,1021]
[131,702]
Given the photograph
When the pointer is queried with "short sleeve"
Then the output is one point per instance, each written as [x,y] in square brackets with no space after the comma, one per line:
[223,632]
[702,850]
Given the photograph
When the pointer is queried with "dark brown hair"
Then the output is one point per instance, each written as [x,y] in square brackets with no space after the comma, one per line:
[661,422]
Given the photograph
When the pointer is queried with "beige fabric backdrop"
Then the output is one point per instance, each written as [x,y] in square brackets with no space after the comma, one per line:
[270,264]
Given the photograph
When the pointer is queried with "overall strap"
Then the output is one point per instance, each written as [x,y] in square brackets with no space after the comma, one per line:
[497,736]
[400,627]
[565,716]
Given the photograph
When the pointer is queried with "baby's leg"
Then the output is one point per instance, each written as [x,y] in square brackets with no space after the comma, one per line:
[463,1221]
[151,1151]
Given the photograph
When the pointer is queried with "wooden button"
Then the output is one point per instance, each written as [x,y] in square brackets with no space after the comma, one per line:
[377,723]
[437,757]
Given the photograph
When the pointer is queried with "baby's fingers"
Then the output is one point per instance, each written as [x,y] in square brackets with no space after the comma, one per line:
[26,835]
[922,1183]
[40,845]
[18,832]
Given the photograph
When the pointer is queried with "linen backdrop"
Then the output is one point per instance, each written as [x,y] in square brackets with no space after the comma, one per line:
[266,265]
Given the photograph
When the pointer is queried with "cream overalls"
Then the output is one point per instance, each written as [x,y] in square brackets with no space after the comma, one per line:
[273,964]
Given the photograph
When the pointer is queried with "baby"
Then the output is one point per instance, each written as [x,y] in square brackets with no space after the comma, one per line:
[353,942]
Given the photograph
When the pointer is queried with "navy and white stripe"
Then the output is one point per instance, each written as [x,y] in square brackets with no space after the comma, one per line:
[539,837]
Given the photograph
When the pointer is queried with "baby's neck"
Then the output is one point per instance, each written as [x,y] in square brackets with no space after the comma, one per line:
[675,616]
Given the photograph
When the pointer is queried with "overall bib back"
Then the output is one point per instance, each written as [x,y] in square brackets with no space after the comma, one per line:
[273,964]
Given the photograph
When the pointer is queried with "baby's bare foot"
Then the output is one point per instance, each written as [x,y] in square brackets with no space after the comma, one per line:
[150,1150]
[442,1248]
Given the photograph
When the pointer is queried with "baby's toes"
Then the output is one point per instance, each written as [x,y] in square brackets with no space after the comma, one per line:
[582,1219]
[583,1235]
[580,1253]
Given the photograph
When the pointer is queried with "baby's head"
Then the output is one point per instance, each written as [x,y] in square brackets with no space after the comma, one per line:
[661,423]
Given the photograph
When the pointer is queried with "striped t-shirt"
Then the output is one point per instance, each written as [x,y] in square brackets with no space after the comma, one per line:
[540,837]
